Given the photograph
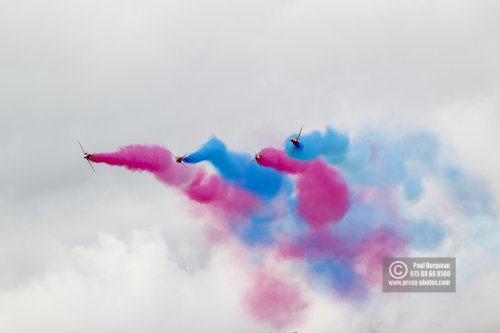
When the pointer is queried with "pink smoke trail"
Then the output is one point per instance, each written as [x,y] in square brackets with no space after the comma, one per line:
[224,199]
[272,300]
[278,160]
[383,242]
[316,244]
[323,196]
[154,159]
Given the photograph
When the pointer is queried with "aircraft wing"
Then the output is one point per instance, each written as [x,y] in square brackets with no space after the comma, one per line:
[82,147]
[91,165]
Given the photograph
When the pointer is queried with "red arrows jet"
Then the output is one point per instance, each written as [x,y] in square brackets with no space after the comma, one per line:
[180,159]
[87,156]
[295,141]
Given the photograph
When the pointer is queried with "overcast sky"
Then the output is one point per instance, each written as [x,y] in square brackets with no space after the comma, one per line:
[119,252]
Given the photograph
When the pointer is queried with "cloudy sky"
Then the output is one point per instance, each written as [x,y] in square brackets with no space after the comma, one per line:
[119,252]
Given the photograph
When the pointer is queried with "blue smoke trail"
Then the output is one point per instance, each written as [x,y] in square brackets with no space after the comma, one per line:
[337,275]
[426,234]
[371,160]
[239,169]
[385,175]
[331,145]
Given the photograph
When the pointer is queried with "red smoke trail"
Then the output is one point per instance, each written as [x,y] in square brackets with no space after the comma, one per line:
[322,199]
[381,243]
[224,199]
[274,300]
[323,196]
[277,159]
[315,245]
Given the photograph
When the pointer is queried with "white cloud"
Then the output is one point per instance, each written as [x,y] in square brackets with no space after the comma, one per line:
[127,286]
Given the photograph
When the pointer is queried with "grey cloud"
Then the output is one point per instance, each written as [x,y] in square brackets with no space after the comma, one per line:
[175,72]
